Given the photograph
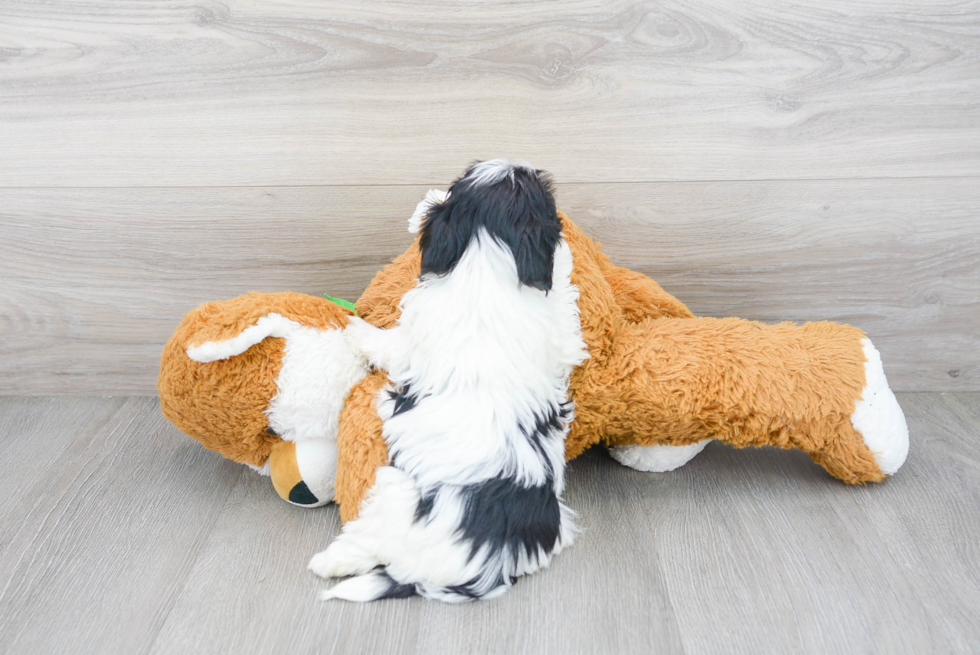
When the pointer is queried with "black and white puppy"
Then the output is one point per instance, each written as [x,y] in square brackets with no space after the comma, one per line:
[477,412]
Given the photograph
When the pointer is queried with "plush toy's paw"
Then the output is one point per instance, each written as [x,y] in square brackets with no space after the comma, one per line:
[340,559]
[657,458]
[878,416]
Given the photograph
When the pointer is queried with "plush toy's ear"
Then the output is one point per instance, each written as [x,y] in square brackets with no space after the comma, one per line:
[270,325]
[219,330]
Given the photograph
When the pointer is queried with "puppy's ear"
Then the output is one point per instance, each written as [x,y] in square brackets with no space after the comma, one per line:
[443,239]
[538,228]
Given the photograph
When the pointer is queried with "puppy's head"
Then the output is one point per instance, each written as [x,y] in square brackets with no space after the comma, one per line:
[514,203]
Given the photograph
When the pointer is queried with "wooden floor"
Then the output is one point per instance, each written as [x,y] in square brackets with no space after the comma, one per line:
[120,535]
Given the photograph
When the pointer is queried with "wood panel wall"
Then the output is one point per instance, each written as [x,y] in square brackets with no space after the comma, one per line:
[807,160]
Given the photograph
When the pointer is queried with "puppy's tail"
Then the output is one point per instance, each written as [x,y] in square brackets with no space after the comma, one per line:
[378,585]
[375,585]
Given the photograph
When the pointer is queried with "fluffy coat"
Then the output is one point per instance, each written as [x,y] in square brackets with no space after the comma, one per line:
[477,410]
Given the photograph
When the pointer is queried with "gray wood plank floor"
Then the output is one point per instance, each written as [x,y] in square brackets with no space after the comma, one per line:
[119,534]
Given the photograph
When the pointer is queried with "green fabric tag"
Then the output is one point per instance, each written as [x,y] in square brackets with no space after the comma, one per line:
[346,304]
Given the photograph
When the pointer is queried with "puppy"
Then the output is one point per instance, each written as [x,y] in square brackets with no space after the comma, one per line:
[477,411]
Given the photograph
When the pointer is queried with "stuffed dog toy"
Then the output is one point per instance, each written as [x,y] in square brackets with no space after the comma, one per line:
[273,381]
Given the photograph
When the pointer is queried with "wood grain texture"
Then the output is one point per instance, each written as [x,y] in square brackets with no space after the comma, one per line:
[101,278]
[134,539]
[96,280]
[107,93]
[100,543]
[898,259]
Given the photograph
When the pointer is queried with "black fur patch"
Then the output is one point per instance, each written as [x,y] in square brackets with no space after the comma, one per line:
[503,514]
[468,589]
[404,400]
[518,211]
[548,424]
[424,508]
[395,590]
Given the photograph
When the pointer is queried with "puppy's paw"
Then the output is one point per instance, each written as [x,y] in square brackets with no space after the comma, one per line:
[341,559]
[363,337]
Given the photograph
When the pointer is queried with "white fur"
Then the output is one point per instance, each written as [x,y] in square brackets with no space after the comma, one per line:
[506,350]
[432,197]
[317,463]
[360,589]
[427,552]
[494,170]
[878,416]
[485,355]
[318,369]
[657,458]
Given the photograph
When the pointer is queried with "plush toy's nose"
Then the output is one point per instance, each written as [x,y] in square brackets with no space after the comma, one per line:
[286,477]
[301,495]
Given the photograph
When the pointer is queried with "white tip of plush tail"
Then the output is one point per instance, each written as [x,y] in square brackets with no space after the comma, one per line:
[270,325]
[878,416]
[365,588]
[432,197]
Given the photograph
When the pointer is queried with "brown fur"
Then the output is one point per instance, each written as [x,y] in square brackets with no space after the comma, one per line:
[222,404]
[741,382]
[359,444]
[605,290]
[379,304]
[283,468]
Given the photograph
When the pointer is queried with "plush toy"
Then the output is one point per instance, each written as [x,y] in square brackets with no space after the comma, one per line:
[256,378]
[271,380]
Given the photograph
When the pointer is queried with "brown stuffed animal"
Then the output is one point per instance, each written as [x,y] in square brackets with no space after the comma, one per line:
[270,380]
